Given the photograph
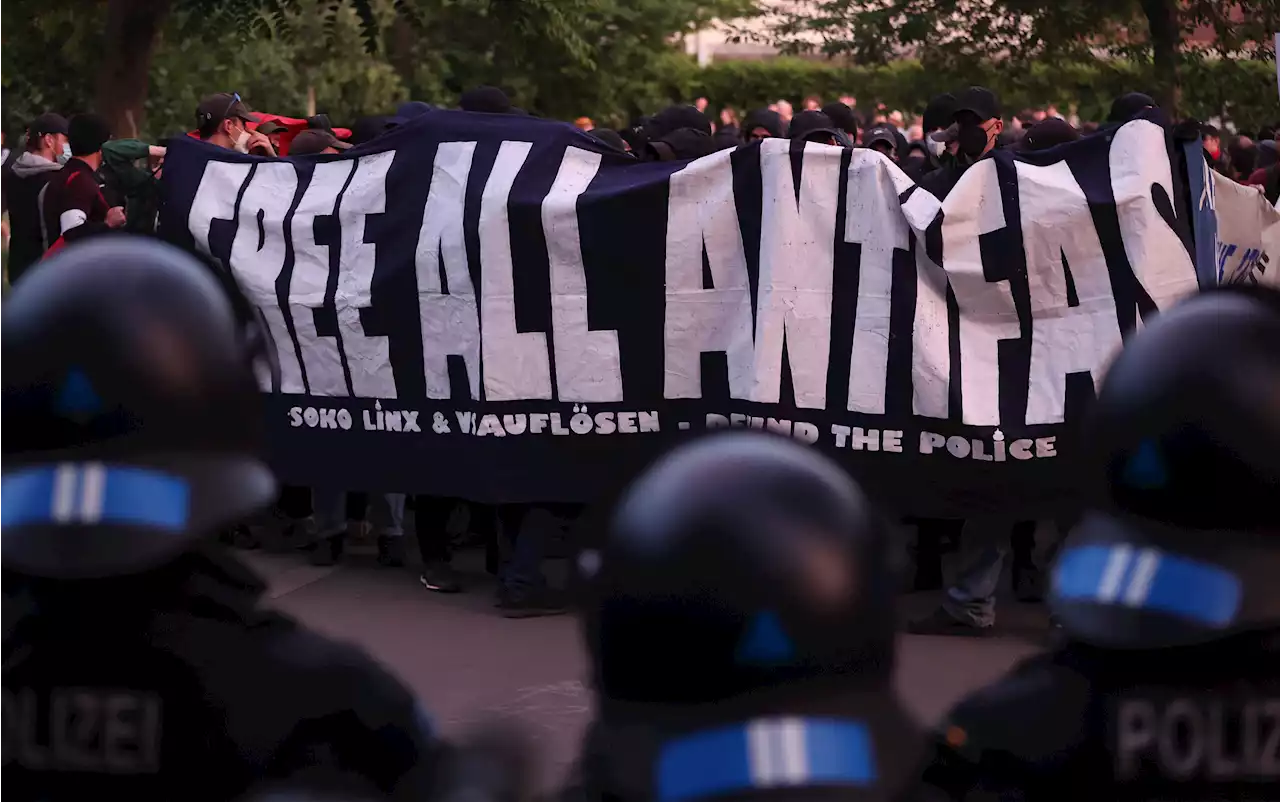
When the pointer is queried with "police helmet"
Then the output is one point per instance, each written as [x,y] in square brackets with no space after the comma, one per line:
[132,415]
[1181,545]
[739,562]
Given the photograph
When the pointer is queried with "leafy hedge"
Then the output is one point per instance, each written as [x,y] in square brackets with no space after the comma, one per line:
[1244,90]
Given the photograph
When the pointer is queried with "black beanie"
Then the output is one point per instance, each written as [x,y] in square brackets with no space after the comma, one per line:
[86,134]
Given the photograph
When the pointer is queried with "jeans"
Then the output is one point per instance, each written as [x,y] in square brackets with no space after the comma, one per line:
[985,547]
[330,510]
[522,572]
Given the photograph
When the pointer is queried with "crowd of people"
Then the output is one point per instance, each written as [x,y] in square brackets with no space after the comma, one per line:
[71,180]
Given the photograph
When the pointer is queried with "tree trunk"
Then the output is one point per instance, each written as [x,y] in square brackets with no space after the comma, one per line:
[129,40]
[311,100]
[1166,37]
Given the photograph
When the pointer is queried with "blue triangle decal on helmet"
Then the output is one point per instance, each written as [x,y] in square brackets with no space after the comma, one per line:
[1145,469]
[765,643]
[77,396]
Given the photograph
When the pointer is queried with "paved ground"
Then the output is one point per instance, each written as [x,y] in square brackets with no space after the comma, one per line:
[467,663]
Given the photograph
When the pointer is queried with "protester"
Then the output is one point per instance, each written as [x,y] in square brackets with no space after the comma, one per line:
[976,115]
[367,129]
[1048,133]
[222,120]
[130,177]
[487,100]
[762,124]
[24,181]
[939,135]
[812,103]
[611,139]
[677,132]
[1128,106]
[1242,156]
[783,107]
[314,141]
[584,124]
[1211,141]
[74,207]
[845,120]
[881,139]
[273,131]
[814,126]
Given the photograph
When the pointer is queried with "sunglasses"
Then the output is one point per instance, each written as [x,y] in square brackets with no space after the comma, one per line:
[235,98]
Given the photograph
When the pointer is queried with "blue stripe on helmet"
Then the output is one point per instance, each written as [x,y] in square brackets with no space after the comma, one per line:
[92,493]
[766,753]
[1149,579]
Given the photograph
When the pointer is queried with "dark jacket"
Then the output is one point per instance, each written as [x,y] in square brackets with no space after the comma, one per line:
[1158,724]
[24,180]
[175,685]
[73,195]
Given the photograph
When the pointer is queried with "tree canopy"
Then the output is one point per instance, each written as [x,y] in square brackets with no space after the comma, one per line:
[960,33]
[145,63]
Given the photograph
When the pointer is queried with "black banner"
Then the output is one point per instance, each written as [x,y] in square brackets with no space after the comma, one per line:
[497,308]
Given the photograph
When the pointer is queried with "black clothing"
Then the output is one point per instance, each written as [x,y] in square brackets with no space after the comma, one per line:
[941,181]
[177,686]
[1200,722]
[75,188]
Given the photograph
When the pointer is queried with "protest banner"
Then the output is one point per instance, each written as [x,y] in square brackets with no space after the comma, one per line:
[1248,240]
[497,308]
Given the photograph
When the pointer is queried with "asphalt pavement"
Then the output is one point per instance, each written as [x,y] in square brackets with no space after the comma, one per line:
[469,665]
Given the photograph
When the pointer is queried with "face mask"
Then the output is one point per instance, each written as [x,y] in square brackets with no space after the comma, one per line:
[972,140]
[242,140]
[935,148]
[65,155]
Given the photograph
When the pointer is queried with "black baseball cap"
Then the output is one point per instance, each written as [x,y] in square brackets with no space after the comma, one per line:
[881,132]
[979,100]
[1048,133]
[939,113]
[487,100]
[313,141]
[47,123]
[675,117]
[271,127]
[812,126]
[222,106]
[1128,106]
[842,116]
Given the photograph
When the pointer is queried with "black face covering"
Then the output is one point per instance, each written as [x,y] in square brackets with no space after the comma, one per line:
[971,140]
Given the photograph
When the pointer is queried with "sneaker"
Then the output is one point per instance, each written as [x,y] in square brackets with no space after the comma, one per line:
[532,603]
[940,622]
[390,552]
[327,551]
[439,577]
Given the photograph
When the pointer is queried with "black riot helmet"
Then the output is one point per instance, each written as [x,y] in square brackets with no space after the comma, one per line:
[737,563]
[1183,543]
[133,420]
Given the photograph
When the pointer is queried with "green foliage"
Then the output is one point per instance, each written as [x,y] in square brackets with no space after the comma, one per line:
[610,59]
[1244,90]
[957,32]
